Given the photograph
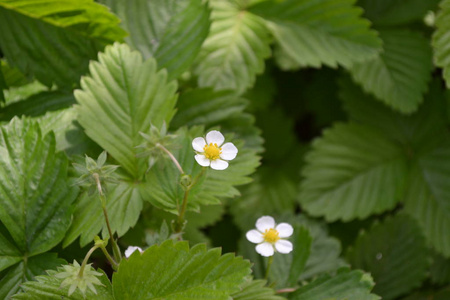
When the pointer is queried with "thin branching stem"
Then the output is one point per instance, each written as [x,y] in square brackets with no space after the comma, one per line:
[175,161]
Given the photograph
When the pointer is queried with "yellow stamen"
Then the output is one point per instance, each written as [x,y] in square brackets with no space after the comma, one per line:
[212,151]
[271,235]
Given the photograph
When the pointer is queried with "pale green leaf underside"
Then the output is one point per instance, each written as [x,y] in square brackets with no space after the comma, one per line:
[394,252]
[172,31]
[399,75]
[441,40]
[234,52]
[54,40]
[352,172]
[318,32]
[173,271]
[122,97]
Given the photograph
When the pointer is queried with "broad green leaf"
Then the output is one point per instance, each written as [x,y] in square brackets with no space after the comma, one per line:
[352,171]
[54,40]
[12,76]
[38,104]
[173,271]
[440,270]
[234,52]
[171,31]
[16,94]
[48,287]
[122,97]
[318,32]
[165,190]
[345,285]
[441,43]
[442,294]
[396,12]
[14,278]
[395,254]
[255,289]
[399,75]
[35,195]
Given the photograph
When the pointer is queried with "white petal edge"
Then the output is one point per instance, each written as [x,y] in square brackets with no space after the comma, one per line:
[254,236]
[130,250]
[284,246]
[285,230]
[265,249]
[265,222]
[202,160]
[229,151]
[198,144]
[215,137]
[219,164]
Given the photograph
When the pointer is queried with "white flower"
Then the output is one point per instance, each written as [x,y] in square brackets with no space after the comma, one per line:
[212,153]
[131,249]
[270,237]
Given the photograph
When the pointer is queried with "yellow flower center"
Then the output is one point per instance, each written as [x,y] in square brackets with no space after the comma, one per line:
[271,235]
[212,151]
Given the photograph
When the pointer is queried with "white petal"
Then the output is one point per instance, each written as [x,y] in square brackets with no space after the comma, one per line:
[130,251]
[283,246]
[202,160]
[265,222]
[229,151]
[265,249]
[254,236]
[198,144]
[215,137]
[285,230]
[219,164]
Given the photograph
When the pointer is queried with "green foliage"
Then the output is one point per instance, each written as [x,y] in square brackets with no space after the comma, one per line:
[400,74]
[313,33]
[394,252]
[440,40]
[173,271]
[170,31]
[54,40]
[346,284]
[255,289]
[234,52]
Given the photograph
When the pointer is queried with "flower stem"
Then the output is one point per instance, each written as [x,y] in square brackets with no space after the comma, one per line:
[175,161]
[110,259]
[180,222]
[85,260]
[269,264]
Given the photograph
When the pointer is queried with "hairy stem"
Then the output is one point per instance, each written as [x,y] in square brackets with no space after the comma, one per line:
[175,161]
[85,260]
[269,264]
[180,221]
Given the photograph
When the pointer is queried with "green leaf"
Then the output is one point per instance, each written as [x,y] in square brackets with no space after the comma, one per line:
[48,287]
[54,40]
[234,52]
[440,41]
[440,270]
[318,32]
[36,197]
[352,172]
[346,285]
[396,12]
[395,254]
[122,97]
[255,289]
[173,271]
[13,279]
[171,31]
[12,76]
[399,75]
[165,191]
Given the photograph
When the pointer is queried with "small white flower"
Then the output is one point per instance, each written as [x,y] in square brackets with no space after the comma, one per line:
[131,249]
[212,153]
[271,237]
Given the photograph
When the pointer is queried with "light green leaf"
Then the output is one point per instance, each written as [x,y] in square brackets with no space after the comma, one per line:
[255,289]
[395,254]
[123,96]
[318,32]
[48,287]
[441,43]
[54,40]
[13,279]
[171,31]
[234,52]
[396,12]
[352,172]
[173,271]
[345,285]
[399,75]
